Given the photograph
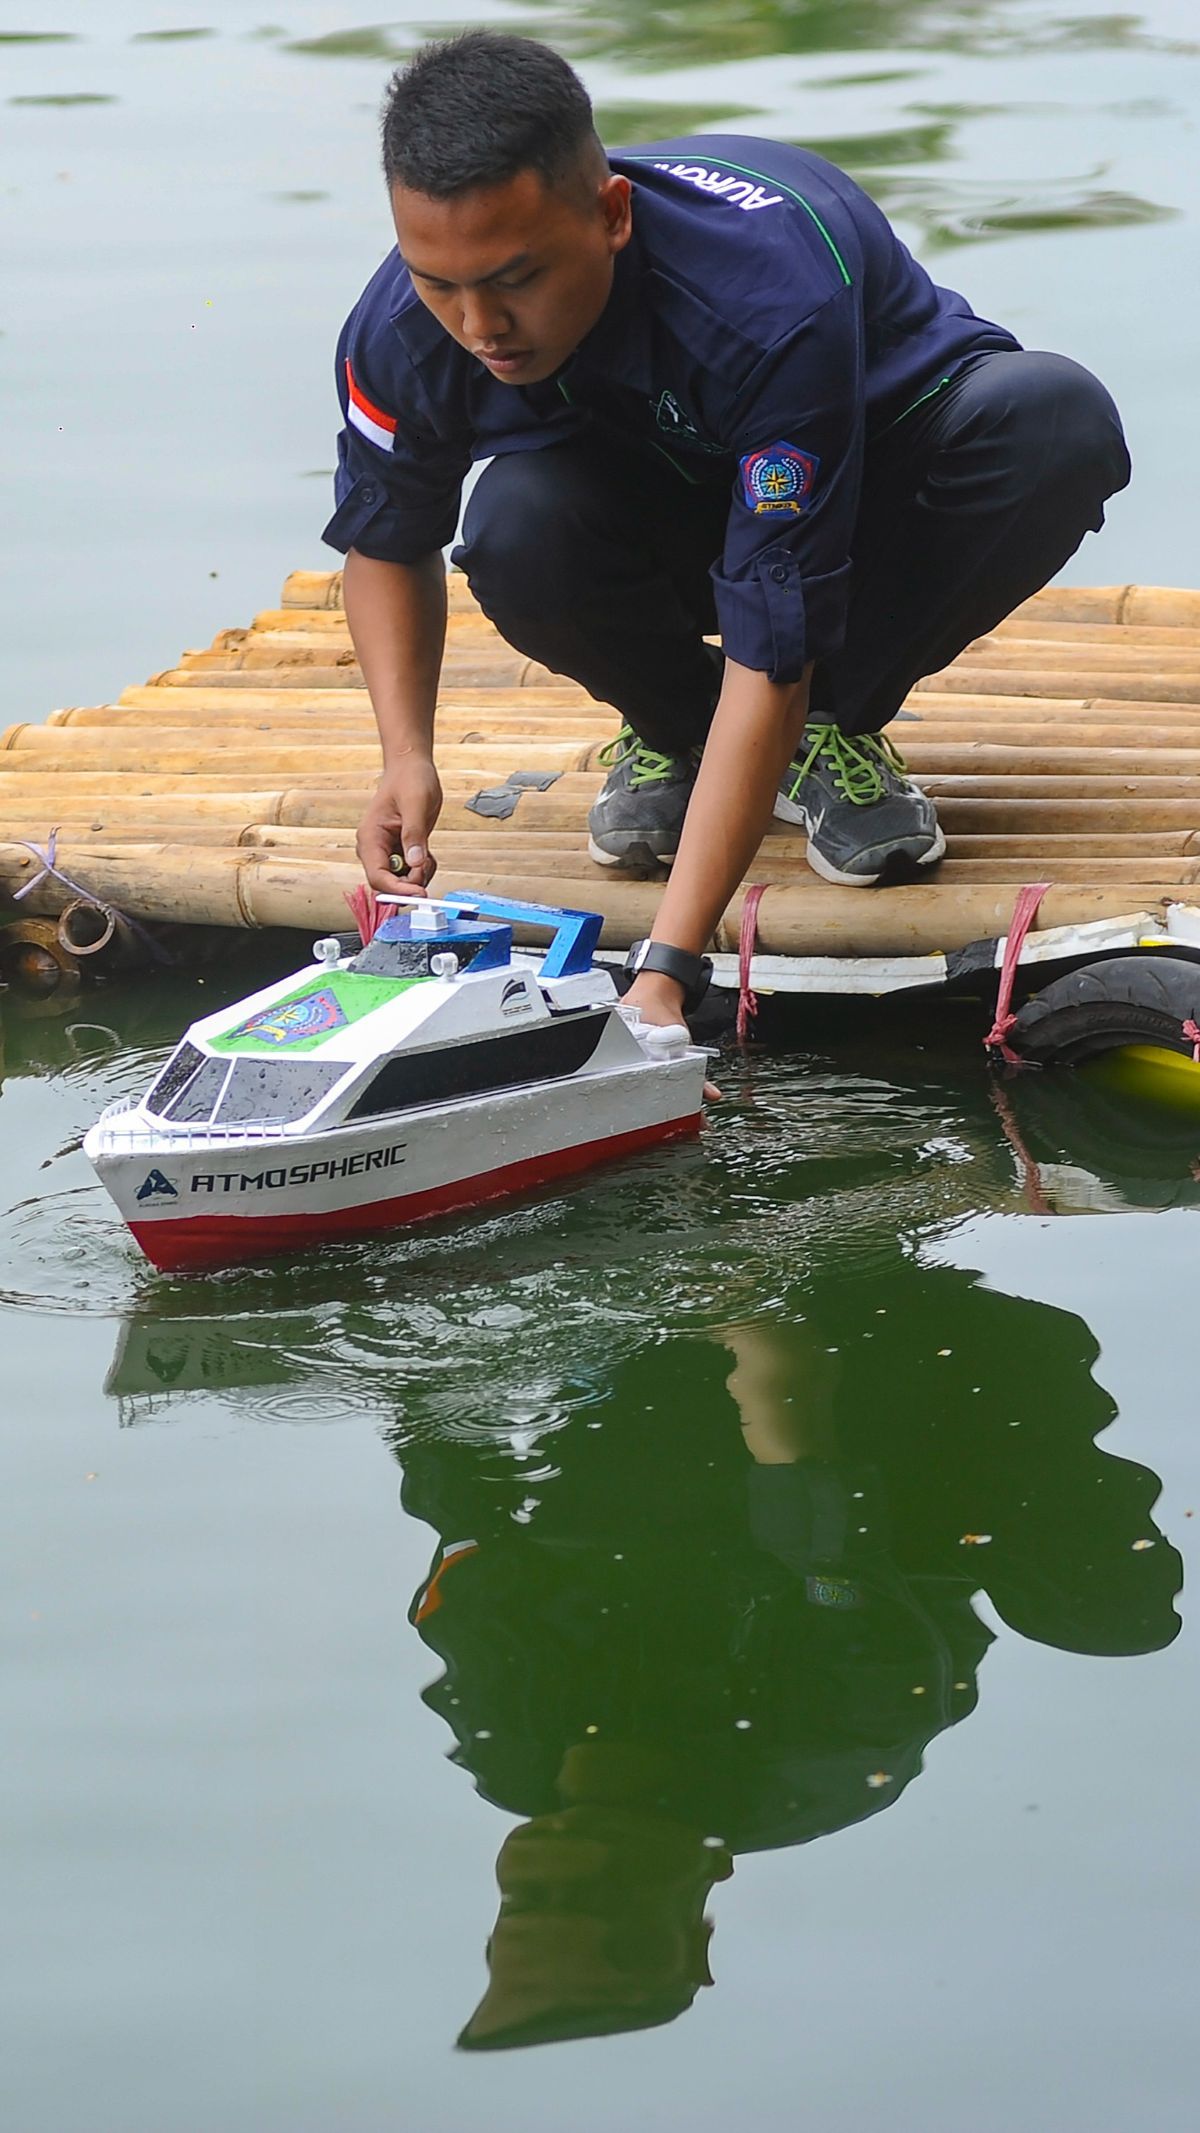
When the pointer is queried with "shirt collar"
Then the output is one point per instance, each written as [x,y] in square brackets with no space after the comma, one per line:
[618,349]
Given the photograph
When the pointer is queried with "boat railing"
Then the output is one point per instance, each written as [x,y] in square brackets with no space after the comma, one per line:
[137,1132]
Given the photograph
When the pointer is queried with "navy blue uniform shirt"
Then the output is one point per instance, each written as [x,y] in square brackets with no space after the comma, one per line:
[765,325]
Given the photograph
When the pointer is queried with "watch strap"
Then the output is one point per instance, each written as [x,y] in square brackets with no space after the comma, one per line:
[693,972]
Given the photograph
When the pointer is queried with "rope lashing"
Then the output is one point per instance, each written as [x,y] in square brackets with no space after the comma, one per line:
[1024,912]
[50,870]
[747,937]
[1192,1033]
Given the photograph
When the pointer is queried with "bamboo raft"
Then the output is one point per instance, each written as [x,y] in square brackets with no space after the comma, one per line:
[1063,747]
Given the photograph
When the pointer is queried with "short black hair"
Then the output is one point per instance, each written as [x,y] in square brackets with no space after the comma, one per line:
[474,110]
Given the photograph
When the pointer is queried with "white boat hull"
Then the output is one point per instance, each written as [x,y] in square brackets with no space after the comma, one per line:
[203,1201]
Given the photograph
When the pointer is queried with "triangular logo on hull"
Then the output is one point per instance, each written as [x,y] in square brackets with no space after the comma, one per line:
[156,1187]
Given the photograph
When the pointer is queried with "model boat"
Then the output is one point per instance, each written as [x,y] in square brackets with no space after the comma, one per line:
[432,1069]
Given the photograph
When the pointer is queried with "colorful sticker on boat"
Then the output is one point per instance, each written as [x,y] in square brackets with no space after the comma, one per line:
[311,1013]
[778,477]
[314,1014]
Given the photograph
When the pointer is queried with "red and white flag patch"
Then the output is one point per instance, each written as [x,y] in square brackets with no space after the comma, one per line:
[366,417]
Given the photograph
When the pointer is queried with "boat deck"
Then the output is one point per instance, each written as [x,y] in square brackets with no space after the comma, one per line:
[1062,747]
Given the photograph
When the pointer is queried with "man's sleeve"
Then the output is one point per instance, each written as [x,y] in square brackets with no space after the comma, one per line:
[797,427]
[398,484]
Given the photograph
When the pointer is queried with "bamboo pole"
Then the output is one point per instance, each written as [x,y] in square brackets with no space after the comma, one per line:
[1102,802]
[323,588]
[1027,823]
[1108,634]
[1092,872]
[1133,604]
[57,750]
[1085,679]
[551,711]
[207,670]
[550,853]
[230,711]
[574,739]
[331,622]
[1029,845]
[1035,819]
[253,888]
[51,751]
[1167,604]
[170,862]
[1132,715]
[1023,652]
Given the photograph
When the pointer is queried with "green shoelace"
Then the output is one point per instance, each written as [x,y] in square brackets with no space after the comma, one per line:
[858,763]
[649,768]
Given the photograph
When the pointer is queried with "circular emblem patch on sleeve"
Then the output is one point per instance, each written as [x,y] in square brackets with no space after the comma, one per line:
[778,477]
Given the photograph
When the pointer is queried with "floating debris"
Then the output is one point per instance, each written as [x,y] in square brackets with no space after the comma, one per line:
[1139,1545]
[879,1778]
[974,1540]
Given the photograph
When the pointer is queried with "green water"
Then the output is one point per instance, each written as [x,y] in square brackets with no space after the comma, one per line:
[816,1503]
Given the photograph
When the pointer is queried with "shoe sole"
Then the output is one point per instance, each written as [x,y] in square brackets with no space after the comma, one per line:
[828,872]
[638,857]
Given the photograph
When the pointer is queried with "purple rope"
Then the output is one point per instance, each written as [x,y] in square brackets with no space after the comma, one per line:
[49,869]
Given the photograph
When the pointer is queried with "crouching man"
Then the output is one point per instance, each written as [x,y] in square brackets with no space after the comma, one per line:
[718,397]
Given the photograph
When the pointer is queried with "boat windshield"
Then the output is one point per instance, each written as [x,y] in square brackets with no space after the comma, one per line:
[195,1090]
[276,1089]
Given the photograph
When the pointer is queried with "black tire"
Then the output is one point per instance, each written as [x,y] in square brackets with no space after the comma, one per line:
[1134,999]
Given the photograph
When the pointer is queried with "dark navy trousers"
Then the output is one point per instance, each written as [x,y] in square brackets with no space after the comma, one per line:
[593,556]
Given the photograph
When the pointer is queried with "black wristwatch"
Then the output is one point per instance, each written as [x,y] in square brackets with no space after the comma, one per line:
[693,972]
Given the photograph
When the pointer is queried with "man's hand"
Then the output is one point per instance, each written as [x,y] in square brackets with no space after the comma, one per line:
[400,818]
[659,999]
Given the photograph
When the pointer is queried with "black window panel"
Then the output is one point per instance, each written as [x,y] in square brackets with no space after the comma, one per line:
[196,1102]
[182,1064]
[277,1089]
[547,1052]
[410,959]
[393,959]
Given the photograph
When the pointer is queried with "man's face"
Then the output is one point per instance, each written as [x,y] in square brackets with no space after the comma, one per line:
[519,273]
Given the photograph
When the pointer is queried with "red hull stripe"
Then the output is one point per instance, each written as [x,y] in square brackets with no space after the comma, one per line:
[386,422]
[177,1245]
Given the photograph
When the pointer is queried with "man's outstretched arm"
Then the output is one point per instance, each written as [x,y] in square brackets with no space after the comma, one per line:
[397,618]
[755,732]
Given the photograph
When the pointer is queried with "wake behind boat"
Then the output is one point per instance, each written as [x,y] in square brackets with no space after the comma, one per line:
[430,1070]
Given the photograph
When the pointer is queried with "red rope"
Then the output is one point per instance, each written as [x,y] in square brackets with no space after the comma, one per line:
[1192,1034]
[1024,913]
[1031,1176]
[747,937]
[367,913]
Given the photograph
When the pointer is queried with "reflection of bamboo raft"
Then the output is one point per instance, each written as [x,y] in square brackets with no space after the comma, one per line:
[1064,746]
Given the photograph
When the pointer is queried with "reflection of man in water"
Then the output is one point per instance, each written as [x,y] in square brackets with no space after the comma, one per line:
[667,1643]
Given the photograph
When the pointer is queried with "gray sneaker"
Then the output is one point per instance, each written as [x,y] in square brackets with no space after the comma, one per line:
[638,814]
[851,794]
